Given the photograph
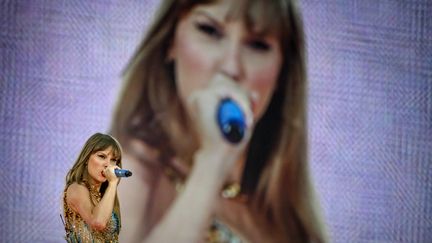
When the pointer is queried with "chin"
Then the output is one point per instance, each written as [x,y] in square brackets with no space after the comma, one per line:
[99,179]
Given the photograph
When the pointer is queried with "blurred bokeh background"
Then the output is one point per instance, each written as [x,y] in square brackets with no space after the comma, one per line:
[370,108]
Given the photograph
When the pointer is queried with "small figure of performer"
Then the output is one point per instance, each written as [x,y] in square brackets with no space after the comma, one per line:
[91,205]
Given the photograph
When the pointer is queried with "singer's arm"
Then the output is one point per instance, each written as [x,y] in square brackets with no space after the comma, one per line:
[78,198]
[189,216]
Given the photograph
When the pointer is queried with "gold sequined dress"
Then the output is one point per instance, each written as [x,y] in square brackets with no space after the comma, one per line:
[77,231]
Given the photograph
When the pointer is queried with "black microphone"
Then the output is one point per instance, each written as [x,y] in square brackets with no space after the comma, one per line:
[231,120]
[122,173]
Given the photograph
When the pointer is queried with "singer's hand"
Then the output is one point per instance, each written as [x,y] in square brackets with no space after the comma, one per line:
[110,175]
[203,105]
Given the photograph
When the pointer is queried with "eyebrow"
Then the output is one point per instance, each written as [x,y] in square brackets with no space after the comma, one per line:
[102,152]
[257,32]
[204,13]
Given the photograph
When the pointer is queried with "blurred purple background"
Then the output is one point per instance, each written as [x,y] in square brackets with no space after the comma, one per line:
[370,108]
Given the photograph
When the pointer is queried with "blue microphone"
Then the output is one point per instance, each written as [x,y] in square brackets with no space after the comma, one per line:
[231,120]
[122,173]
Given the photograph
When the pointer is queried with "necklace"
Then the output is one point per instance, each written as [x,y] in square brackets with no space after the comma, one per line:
[95,195]
[231,190]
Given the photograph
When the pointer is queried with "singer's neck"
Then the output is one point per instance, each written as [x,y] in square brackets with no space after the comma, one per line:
[94,184]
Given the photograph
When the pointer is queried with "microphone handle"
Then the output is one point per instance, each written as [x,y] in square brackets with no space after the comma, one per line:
[231,120]
[122,173]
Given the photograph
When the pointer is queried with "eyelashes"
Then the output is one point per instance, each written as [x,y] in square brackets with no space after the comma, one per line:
[102,156]
[259,45]
[255,43]
[209,30]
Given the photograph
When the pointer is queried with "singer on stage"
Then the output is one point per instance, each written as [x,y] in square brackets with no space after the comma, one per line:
[90,202]
[203,63]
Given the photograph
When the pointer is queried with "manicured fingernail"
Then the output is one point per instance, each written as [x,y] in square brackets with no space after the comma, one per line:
[254,95]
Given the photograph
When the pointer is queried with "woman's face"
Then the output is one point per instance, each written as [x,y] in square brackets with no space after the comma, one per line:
[97,163]
[207,44]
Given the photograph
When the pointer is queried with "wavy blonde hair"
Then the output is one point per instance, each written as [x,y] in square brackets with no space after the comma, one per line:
[276,175]
[79,171]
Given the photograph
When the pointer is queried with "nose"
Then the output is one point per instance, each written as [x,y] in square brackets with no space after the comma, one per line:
[231,63]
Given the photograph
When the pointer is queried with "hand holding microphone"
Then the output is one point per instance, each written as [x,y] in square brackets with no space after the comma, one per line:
[222,112]
[113,173]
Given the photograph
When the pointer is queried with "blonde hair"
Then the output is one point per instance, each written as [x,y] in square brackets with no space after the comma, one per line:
[276,172]
[79,171]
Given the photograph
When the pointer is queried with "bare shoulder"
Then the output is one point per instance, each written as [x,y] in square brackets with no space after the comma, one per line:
[75,193]
[76,190]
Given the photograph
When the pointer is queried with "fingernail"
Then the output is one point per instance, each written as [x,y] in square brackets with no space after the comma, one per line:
[254,95]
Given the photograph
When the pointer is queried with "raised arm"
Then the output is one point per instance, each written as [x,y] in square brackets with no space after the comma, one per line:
[190,215]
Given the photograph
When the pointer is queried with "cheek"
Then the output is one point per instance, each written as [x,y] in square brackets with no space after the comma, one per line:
[94,165]
[91,167]
[192,64]
[264,82]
